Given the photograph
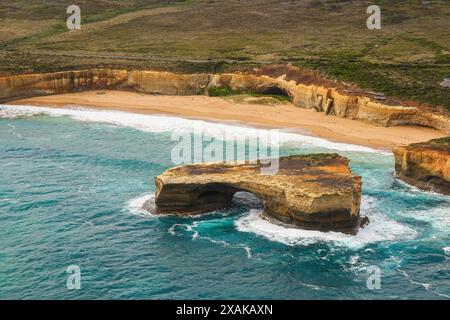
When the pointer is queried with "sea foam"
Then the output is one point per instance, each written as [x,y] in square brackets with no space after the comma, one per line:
[437,217]
[160,123]
[380,228]
[136,205]
[446,251]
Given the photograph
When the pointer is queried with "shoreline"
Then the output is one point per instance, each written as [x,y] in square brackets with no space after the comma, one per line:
[217,109]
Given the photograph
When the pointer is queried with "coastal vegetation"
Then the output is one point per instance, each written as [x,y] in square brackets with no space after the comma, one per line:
[247,96]
[111,147]
[406,59]
[303,89]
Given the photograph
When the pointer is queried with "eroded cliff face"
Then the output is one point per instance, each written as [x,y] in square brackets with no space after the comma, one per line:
[25,86]
[304,95]
[149,82]
[333,102]
[164,83]
[310,191]
[425,165]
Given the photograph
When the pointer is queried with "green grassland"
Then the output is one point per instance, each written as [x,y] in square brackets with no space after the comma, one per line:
[406,59]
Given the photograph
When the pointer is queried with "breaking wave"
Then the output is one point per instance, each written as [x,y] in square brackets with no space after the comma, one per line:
[159,123]
[380,228]
[136,205]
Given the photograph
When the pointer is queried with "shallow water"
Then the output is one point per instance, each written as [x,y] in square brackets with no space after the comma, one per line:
[72,183]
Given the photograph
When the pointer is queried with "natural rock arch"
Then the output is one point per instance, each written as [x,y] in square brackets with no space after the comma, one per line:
[312,191]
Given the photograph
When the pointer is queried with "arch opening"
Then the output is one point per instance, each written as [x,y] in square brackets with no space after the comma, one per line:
[276,91]
[212,196]
[221,197]
[247,200]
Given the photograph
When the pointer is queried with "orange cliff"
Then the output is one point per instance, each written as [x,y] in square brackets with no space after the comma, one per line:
[316,96]
[425,165]
[316,191]
[333,102]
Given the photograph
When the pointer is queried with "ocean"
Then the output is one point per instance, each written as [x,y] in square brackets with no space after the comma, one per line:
[72,186]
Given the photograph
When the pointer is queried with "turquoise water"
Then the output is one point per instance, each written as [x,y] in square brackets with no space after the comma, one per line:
[71,188]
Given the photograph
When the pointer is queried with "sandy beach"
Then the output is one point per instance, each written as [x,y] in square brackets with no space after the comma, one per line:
[285,116]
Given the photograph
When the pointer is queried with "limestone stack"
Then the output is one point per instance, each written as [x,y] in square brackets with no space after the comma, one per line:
[312,191]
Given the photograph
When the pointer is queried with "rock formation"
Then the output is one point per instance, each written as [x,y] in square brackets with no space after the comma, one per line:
[332,101]
[164,83]
[425,165]
[25,86]
[310,94]
[312,191]
[149,82]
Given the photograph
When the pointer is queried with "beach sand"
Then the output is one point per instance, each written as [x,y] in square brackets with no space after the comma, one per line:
[285,116]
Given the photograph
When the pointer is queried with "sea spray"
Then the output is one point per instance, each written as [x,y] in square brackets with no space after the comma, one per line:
[93,170]
[381,228]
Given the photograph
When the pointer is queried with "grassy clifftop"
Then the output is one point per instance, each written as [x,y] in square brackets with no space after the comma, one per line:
[406,59]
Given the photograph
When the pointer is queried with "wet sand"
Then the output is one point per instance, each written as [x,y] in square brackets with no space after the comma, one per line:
[283,116]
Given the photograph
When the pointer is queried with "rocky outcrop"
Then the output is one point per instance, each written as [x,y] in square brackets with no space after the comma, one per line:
[25,86]
[333,101]
[311,94]
[164,83]
[312,191]
[425,165]
[149,82]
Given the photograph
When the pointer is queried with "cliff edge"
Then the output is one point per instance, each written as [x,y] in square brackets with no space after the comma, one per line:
[303,92]
[425,165]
